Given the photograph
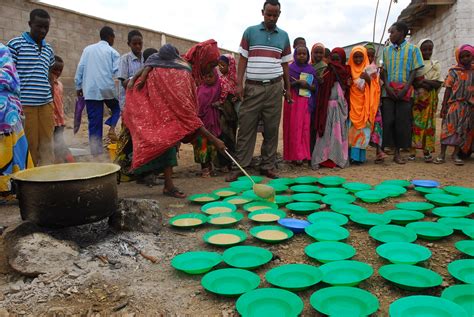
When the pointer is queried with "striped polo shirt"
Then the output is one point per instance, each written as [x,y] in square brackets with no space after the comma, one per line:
[400,61]
[265,51]
[33,66]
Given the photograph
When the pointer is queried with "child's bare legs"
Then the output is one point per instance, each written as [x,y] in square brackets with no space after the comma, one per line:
[442,155]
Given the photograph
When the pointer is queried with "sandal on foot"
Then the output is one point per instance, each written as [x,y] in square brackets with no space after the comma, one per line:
[232,176]
[428,158]
[380,158]
[411,157]
[205,173]
[174,192]
[439,160]
[458,162]
[399,160]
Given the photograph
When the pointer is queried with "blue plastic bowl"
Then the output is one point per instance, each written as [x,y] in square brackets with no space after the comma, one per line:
[295,225]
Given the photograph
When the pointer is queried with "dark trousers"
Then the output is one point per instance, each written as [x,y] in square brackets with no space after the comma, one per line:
[95,115]
[397,123]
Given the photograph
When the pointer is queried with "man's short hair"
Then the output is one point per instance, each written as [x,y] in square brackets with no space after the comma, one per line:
[401,27]
[133,33]
[106,32]
[40,13]
[271,2]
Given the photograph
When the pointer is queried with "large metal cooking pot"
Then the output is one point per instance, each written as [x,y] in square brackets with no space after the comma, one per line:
[66,195]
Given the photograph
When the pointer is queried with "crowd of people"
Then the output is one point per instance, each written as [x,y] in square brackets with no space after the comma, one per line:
[333,107]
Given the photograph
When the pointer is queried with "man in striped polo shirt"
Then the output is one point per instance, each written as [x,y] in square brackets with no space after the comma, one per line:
[401,59]
[33,58]
[265,51]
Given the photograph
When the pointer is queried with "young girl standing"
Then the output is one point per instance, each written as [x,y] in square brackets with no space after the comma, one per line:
[331,148]
[297,115]
[364,103]
[457,128]
[208,94]
[425,104]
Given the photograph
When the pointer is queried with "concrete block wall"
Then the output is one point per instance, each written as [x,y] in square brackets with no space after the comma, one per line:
[70,32]
[452,26]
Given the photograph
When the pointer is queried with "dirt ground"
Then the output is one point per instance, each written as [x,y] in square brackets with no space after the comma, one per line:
[140,287]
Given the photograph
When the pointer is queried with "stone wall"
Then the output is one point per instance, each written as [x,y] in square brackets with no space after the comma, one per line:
[452,26]
[70,32]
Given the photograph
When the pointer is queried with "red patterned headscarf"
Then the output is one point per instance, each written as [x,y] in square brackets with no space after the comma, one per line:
[202,56]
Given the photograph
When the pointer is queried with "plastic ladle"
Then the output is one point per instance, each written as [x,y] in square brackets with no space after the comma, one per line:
[263,191]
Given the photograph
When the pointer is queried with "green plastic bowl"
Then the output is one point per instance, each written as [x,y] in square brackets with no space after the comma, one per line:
[276,213]
[397,182]
[326,232]
[355,187]
[246,257]
[259,205]
[283,200]
[430,230]
[304,188]
[190,220]
[241,185]
[303,180]
[338,198]
[328,217]
[306,197]
[467,198]
[462,270]
[294,277]
[230,282]
[452,211]
[392,233]
[344,301]
[332,190]
[425,306]
[269,302]
[283,180]
[303,208]
[429,190]
[329,251]
[345,272]
[458,190]
[203,198]
[415,206]
[196,262]
[466,247]
[402,217]
[371,196]
[238,200]
[241,235]
[391,190]
[457,223]
[218,207]
[256,179]
[258,230]
[403,252]
[410,277]
[251,194]
[279,188]
[348,209]
[370,219]
[226,192]
[443,199]
[469,232]
[463,295]
[331,181]
[226,219]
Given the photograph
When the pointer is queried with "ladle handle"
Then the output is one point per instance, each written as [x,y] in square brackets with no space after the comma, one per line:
[238,165]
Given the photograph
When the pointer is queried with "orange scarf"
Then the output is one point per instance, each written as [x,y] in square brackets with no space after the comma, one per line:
[364,103]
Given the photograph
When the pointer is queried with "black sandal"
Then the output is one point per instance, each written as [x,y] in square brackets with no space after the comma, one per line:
[174,192]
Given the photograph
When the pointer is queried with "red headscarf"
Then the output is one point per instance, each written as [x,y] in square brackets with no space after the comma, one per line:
[200,56]
[229,80]
[336,71]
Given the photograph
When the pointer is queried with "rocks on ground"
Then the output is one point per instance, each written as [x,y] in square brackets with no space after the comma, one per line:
[142,215]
